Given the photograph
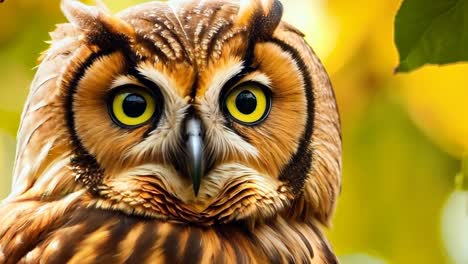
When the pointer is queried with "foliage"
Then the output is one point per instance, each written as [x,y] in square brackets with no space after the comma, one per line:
[431,32]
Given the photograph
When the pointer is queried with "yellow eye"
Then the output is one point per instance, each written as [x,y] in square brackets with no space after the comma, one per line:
[248,103]
[132,106]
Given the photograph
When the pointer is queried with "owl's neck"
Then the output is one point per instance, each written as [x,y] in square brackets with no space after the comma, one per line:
[63,230]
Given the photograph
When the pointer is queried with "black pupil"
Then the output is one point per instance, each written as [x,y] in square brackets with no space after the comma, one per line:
[246,102]
[134,105]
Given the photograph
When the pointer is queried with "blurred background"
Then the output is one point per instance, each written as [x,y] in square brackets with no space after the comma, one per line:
[404,135]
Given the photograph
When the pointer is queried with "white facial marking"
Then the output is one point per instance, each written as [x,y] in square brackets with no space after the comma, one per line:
[166,136]
[124,80]
[257,77]
[222,140]
[219,177]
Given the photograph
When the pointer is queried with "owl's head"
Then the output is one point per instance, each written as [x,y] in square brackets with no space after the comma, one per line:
[189,111]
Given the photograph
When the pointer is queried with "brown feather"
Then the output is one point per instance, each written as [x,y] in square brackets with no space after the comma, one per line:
[87,190]
[84,235]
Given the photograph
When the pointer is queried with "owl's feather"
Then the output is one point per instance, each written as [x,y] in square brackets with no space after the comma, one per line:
[87,190]
[68,232]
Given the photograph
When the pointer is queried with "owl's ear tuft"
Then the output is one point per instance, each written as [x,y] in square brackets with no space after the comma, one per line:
[98,25]
[263,16]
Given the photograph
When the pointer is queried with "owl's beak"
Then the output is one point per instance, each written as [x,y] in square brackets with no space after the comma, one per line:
[194,150]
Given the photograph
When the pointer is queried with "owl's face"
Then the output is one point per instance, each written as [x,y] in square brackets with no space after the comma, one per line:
[203,112]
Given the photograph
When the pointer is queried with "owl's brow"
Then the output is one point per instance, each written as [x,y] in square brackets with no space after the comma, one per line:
[246,70]
[170,4]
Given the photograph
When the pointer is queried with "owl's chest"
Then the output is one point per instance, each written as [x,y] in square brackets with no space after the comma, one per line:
[95,236]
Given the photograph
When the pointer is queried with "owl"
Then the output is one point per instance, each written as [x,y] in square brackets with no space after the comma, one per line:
[175,132]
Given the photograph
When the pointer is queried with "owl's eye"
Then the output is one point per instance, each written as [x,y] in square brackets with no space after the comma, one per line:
[132,106]
[248,103]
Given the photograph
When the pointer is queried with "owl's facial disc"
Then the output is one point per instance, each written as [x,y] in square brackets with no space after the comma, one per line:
[248,104]
[217,127]
[213,155]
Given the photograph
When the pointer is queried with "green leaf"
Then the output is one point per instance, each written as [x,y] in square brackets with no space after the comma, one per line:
[431,32]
